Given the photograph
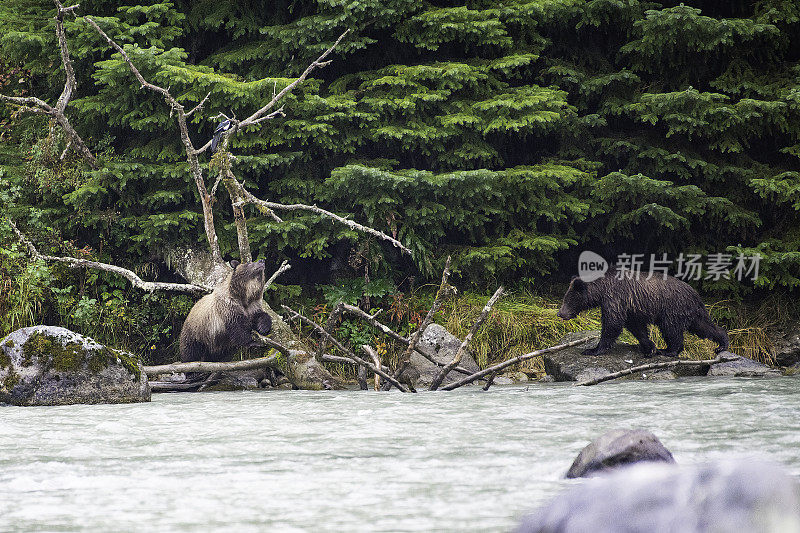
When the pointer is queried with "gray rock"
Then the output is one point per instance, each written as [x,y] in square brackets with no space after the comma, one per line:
[46,365]
[618,447]
[442,346]
[572,365]
[725,497]
[742,367]
[786,345]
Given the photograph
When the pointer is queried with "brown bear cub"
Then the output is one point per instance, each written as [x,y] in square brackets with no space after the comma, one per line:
[221,322]
[634,302]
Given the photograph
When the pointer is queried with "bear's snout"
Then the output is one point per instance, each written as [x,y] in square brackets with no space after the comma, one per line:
[563,314]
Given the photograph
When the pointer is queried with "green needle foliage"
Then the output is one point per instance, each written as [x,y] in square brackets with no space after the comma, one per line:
[509,134]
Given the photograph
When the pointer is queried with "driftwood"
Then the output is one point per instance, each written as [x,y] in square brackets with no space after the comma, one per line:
[656,366]
[73,262]
[348,353]
[405,358]
[210,366]
[465,343]
[514,360]
[333,319]
[386,330]
[376,360]
[170,386]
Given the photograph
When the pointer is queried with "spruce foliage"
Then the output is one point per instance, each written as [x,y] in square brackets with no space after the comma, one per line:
[509,134]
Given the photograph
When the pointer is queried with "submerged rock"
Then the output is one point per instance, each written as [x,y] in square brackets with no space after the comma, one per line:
[616,448]
[442,346]
[742,367]
[46,365]
[731,496]
[572,365]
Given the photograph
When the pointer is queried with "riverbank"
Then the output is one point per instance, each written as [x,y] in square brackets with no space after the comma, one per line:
[351,461]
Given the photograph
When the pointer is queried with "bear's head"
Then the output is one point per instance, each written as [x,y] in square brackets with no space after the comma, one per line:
[247,281]
[575,300]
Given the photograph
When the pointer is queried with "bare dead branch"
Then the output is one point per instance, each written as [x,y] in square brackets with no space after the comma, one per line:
[372,353]
[490,381]
[191,153]
[269,207]
[255,117]
[70,84]
[656,366]
[383,328]
[421,349]
[461,349]
[348,353]
[514,360]
[209,366]
[319,62]
[32,104]
[443,291]
[199,106]
[333,320]
[277,113]
[328,358]
[281,269]
[136,281]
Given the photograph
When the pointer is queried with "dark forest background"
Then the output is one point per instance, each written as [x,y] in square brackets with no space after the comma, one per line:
[508,134]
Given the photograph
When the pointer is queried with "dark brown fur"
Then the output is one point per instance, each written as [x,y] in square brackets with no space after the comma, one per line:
[634,303]
[221,322]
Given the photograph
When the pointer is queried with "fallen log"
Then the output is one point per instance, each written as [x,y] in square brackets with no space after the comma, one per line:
[655,366]
[514,360]
[210,366]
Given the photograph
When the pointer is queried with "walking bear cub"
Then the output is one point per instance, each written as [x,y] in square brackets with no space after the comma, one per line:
[221,322]
[634,302]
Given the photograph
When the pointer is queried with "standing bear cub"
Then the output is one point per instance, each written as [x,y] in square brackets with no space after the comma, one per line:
[632,301]
[221,322]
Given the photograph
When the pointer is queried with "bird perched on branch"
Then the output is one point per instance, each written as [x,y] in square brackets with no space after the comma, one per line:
[224,126]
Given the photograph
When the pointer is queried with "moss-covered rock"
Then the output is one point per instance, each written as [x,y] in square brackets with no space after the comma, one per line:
[45,365]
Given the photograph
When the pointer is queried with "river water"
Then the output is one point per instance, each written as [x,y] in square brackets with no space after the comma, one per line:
[466,460]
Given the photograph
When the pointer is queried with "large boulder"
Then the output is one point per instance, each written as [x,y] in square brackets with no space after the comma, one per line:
[46,365]
[742,367]
[572,365]
[442,346]
[730,497]
[786,345]
[618,447]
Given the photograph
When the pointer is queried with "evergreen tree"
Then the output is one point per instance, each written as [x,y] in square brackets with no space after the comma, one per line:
[508,134]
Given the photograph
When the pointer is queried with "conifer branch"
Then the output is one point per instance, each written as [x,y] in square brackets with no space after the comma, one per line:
[258,117]
[70,86]
[191,153]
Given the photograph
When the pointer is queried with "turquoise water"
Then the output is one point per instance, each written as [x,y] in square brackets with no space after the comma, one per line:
[466,460]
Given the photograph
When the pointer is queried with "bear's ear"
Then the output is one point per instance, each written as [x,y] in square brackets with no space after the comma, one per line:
[577,284]
[234,264]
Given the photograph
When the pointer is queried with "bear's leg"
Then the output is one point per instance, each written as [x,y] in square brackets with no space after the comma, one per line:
[673,335]
[608,336]
[194,351]
[705,329]
[639,330]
